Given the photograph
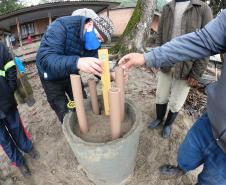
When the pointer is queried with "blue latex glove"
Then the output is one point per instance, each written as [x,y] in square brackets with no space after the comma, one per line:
[19,65]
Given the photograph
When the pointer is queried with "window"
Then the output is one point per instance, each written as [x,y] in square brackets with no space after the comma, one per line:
[27,29]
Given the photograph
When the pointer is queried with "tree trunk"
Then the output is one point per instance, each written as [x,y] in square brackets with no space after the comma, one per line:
[138,30]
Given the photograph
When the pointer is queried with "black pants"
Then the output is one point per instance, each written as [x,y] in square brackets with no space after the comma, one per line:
[56,95]
[14,138]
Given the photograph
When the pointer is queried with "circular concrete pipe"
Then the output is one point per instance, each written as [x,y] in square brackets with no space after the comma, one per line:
[110,163]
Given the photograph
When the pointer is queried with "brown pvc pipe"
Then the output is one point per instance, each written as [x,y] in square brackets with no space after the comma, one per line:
[119,80]
[79,103]
[115,116]
[93,96]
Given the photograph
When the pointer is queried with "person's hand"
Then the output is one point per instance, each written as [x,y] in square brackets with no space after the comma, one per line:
[131,60]
[192,82]
[90,65]
[125,76]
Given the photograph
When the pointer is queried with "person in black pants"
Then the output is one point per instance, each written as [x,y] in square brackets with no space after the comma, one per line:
[14,138]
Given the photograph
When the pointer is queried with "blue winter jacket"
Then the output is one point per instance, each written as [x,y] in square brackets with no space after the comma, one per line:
[61,47]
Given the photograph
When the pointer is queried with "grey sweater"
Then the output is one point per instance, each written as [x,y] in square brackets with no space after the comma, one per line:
[180,8]
[206,42]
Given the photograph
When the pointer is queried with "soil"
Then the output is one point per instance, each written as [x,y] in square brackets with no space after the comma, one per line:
[57,164]
[100,128]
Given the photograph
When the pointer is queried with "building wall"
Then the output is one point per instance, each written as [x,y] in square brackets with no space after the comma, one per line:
[13,30]
[41,26]
[120,18]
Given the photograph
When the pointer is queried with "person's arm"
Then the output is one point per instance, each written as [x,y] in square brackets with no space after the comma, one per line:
[9,68]
[52,59]
[206,42]
[51,53]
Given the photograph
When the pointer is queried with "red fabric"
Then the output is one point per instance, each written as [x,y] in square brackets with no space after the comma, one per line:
[13,163]
[29,39]
[25,130]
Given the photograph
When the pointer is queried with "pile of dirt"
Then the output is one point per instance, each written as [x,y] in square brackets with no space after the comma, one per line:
[100,128]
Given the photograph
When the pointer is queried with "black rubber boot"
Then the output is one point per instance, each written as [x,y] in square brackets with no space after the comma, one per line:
[168,124]
[160,112]
[171,171]
[34,154]
[24,170]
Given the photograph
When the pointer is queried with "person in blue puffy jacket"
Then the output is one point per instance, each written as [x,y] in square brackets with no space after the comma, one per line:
[70,45]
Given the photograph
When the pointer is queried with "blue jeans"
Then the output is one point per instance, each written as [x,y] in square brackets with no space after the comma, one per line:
[14,137]
[200,147]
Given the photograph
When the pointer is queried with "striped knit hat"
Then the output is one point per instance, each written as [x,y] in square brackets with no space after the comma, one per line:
[104,26]
[89,13]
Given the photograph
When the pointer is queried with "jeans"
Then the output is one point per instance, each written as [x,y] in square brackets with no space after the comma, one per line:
[200,147]
[14,138]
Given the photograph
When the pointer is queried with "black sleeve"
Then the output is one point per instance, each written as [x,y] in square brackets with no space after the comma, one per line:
[11,73]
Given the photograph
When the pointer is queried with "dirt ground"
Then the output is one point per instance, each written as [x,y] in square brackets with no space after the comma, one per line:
[100,128]
[57,164]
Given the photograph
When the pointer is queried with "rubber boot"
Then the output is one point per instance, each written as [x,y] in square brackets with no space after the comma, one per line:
[24,170]
[34,154]
[168,124]
[171,171]
[160,112]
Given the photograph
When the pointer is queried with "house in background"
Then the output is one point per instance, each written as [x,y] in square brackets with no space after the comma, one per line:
[120,17]
[34,20]
[16,26]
